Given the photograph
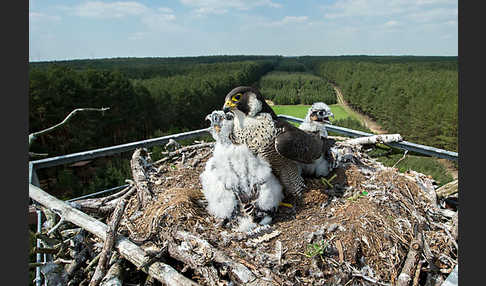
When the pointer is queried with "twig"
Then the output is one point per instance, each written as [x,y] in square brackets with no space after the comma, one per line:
[369,279]
[170,155]
[61,221]
[417,273]
[92,263]
[403,157]
[108,245]
[45,250]
[416,247]
[339,246]
[114,274]
[33,136]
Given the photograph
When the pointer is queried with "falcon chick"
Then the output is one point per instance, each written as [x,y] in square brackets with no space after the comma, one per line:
[273,139]
[315,123]
[237,185]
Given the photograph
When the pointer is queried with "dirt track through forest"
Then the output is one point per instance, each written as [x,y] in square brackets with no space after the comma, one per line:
[376,128]
[364,119]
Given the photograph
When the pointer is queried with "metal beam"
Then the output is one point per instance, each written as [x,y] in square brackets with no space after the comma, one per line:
[91,154]
[405,145]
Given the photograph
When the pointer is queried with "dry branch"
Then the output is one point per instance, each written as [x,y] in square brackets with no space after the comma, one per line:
[104,205]
[447,189]
[108,245]
[138,164]
[170,155]
[130,251]
[413,255]
[384,138]
[114,275]
[33,136]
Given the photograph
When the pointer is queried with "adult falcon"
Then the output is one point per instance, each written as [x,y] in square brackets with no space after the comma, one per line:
[273,139]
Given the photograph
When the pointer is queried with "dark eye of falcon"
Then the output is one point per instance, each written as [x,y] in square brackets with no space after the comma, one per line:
[236,97]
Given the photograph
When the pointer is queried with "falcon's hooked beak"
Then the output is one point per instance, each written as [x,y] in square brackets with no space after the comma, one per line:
[214,125]
[321,116]
[228,106]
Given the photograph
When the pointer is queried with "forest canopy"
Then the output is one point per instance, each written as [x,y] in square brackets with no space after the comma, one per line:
[150,97]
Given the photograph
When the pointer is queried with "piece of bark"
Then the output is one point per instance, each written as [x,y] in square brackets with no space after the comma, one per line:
[108,245]
[455,226]
[447,189]
[413,255]
[138,164]
[129,250]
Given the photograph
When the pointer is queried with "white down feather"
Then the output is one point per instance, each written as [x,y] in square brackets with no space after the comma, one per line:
[320,167]
[234,167]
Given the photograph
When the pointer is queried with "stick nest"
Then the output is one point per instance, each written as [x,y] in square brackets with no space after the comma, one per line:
[355,230]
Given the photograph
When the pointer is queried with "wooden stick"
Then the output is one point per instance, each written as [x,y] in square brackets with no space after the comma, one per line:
[45,250]
[417,273]
[108,245]
[99,206]
[416,246]
[130,251]
[138,164]
[447,189]
[114,275]
[172,154]
[384,138]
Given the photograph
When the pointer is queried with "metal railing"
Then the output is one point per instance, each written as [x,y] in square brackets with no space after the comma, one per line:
[112,150]
[405,145]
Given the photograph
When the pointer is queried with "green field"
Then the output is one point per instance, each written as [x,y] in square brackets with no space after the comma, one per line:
[300,111]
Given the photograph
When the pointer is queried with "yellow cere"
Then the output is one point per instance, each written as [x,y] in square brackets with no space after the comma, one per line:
[229,103]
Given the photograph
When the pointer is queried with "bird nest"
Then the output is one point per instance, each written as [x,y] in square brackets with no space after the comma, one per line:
[357,229]
[364,224]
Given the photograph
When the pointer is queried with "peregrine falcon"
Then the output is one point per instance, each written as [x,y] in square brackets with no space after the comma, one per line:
[314,123]
[238,186]
[273,139]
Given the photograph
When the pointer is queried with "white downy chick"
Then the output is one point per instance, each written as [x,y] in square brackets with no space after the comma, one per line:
[237,184]
[315,122]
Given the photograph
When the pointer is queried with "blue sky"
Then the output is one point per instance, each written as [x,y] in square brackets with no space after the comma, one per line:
[67,29]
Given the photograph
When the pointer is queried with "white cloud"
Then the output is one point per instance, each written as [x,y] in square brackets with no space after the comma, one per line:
[165,10]
[417,10]
[391,24]
[203,7]
[288,20]
[98,9]
[38,17]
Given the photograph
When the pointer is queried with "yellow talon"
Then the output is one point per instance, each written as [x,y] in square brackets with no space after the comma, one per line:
[286,205]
